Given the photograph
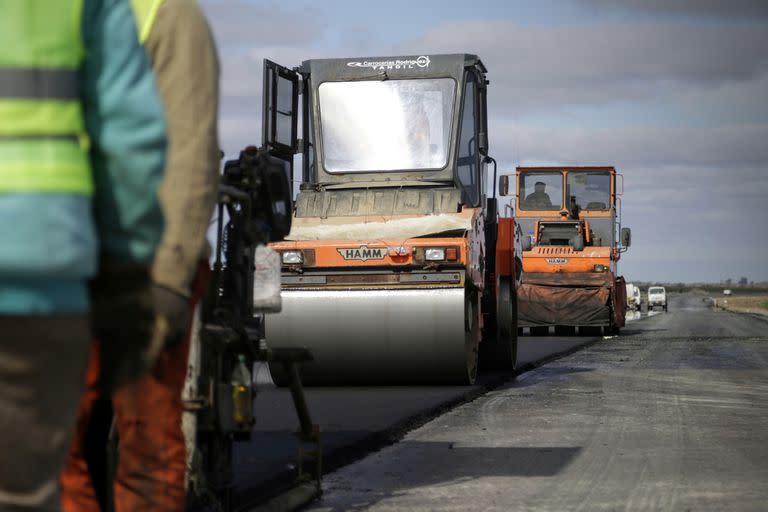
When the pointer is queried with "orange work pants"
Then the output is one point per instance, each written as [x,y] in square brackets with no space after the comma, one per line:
[152,454]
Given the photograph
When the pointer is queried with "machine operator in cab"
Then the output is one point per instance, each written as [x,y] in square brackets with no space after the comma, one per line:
[539,199]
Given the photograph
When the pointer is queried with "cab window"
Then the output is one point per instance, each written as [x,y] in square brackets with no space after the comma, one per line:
[541,191]
[590,190]
[467,164]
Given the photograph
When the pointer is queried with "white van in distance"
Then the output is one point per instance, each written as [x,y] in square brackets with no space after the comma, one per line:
[657,296]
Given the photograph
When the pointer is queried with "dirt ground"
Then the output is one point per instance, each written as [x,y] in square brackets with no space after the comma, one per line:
[747,304]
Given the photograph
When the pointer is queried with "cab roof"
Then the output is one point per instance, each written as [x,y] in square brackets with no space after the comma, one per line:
[567,168]
[394,67]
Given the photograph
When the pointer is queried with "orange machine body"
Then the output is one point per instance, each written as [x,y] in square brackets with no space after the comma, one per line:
[374,263]
[570,218]
[393,230]
[565,259]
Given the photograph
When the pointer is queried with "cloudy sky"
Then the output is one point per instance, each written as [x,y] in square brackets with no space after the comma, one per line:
[674,93]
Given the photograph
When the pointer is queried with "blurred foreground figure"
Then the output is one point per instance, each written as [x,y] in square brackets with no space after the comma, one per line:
[82,147]
[148,413]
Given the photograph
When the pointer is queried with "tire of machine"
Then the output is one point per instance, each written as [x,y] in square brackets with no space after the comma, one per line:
[498,352]
[471,332]
[610,329]
[590,330]
[514,328]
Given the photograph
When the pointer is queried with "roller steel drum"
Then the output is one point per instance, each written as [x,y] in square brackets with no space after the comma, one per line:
[378,336]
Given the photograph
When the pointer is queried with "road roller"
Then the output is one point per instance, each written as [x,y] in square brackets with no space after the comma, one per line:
[572,243]
[399,267]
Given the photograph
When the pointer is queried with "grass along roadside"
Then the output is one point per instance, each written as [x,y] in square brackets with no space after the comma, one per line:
[757,304]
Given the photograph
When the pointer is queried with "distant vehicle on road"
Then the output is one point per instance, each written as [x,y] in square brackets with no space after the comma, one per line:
[657,296]
[634,297]
[727,292]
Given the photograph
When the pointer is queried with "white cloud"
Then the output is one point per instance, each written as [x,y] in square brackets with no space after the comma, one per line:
[692,224]
[239,23]
[695,164]
[683,146]
[544,68]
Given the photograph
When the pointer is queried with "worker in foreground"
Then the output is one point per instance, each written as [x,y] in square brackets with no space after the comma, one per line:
[152,455]
[82,148]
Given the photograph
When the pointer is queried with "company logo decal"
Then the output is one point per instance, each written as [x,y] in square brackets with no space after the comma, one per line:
[363,253]
[556,261]
[419,62]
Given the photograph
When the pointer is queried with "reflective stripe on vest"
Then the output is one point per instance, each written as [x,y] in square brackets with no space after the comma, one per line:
[52,164]
[43,144]
[145,12]
[54,84]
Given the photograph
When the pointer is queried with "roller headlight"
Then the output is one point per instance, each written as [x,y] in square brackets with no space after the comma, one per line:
[434,254]
[292,257]
[599,268]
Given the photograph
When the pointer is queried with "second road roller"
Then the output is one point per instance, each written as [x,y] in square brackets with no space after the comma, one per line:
[399,268]
[573,241]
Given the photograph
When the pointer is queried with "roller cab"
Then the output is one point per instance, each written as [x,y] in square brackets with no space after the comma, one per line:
[398,268]
[572,242]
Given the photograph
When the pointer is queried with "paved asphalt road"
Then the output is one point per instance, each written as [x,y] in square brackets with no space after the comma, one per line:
[671,415]
[355,420]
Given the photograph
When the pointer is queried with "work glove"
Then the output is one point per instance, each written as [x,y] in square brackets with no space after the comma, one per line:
[125,321]
[174,308]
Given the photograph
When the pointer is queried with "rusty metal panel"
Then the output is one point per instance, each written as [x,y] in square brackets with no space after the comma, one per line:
[373,279]
[363,279]
[579,299]
[303,280]
[558,305]
[389,230]
[566,279]
[383,202]
[417,277]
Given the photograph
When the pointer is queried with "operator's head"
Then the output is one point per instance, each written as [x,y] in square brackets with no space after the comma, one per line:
[539,186]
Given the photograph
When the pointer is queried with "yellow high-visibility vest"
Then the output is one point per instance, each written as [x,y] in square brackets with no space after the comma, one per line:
[145,12]
[43,143]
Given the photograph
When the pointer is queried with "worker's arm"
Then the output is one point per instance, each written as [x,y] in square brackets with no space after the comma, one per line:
[125,121]
[186,67]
